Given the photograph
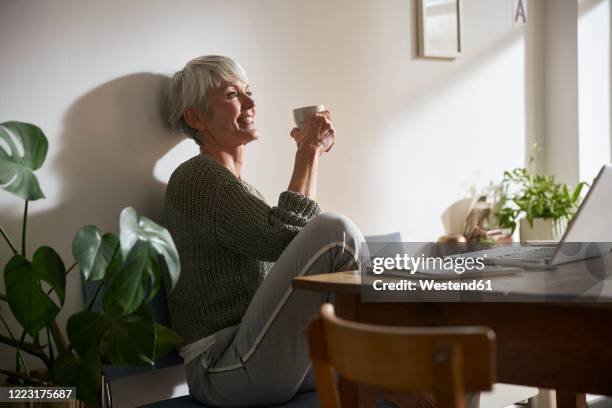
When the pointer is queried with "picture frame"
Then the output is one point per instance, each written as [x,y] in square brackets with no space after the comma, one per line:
[440,28]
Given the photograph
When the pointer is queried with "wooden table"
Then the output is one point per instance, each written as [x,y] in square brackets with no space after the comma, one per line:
[550,339]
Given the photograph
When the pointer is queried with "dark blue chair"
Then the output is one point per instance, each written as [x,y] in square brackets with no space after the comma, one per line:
[305,400]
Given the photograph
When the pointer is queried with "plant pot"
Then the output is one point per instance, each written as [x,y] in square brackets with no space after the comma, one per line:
[543,229]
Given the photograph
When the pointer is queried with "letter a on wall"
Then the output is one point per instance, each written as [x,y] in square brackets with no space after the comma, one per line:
[519,12]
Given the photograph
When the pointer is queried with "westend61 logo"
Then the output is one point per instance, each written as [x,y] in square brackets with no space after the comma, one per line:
[412,264]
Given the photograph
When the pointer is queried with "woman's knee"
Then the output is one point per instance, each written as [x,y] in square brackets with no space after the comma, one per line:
[335,228]
[338,225]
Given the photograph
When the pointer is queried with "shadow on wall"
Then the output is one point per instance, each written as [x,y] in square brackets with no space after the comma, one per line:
[584,6]
[453,218]
[111,139]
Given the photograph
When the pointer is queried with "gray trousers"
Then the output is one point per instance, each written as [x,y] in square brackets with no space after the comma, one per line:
[264,360]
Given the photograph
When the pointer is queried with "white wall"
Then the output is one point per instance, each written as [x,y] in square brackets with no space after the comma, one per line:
[576,87]
[413,134]
[535,101]
[561,89]
[593,86]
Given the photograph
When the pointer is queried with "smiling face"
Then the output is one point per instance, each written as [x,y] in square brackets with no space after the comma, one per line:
[230,117]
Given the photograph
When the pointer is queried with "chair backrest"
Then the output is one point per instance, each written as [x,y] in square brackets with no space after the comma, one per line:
[446,361]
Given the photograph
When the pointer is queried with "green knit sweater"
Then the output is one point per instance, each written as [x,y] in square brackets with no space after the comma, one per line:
[227,238]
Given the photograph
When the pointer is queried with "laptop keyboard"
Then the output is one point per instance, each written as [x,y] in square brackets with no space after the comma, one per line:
[513,253]
[529,253]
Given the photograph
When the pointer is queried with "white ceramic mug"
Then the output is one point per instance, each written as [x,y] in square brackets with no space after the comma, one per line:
[301,115]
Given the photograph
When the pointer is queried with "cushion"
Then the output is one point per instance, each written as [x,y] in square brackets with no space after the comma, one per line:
[303,400]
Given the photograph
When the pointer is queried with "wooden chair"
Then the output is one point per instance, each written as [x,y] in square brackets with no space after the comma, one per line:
[444,361]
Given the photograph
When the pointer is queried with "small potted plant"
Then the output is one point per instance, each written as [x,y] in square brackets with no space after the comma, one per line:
[128,268]
[540,204]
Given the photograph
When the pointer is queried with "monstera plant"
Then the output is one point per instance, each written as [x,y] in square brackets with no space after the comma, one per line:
[127,268]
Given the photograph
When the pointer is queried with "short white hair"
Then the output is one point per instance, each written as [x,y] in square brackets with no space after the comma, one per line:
[191,85]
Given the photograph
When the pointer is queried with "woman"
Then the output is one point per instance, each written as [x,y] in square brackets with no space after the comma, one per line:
[242,324]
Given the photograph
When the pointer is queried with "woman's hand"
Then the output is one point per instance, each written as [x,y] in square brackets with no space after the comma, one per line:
[318,135]
[317,138]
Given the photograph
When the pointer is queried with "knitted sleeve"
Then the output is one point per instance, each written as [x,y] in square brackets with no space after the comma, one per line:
[246,224]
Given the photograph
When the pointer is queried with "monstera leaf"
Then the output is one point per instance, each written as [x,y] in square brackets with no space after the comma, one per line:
[85,329]
[121,340]
[165,340]
[32,307]
[93,251]
[133,230]
[48,266]
[129,339]
[82,372]
[23,149]
[128,285]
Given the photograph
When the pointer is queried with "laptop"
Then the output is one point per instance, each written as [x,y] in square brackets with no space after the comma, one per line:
[588,234]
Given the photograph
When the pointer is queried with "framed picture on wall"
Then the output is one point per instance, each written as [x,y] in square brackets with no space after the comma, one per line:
[439,23]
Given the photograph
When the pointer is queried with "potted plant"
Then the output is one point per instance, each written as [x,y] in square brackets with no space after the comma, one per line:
[542,205]
[128,268]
